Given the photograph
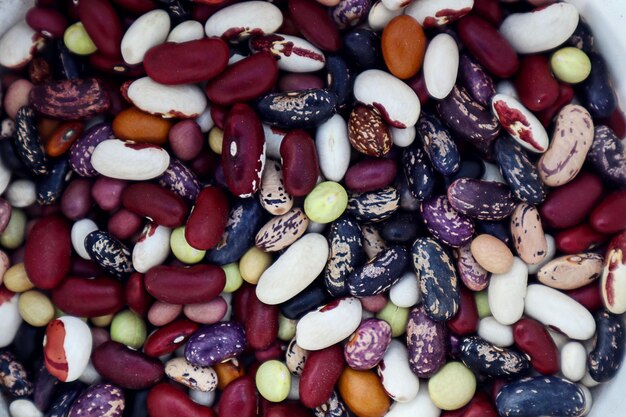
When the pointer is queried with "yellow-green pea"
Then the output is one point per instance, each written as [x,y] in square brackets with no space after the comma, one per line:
[273,381]
[182,250]
[482,304]
[452,386]
[15,279]
[233,277]
[286,328]
[396,317]
[13,235]
[326,202]
[36,308]
[129,329]
[253,263]
[102,321]
[216,136]
[77,40]
[570,65]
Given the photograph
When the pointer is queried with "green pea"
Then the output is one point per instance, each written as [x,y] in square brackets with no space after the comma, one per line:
[77,40]
[286,328]
[570,65]
[482,304]
[273,381]
[129,329]
[452,386]
[396,317]
[182,250]
[13,235]
[326,202]
[233,277]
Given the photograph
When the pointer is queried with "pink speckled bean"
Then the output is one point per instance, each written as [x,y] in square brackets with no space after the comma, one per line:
[108,193]
[206,313]
[16,96]
[162,313]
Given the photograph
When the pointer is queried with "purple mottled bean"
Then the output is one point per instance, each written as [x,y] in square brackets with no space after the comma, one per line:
[427,343]
[181,180]
[215,343]
[82,149]
[368,344]
[483,200]
[349,13]
[476,80]
[445,223]
[474,276]
[76,201]
[5,214]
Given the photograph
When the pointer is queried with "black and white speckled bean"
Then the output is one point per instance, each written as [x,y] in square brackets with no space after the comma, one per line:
[380,273]
[282,231]
[28,144]
[437,279]
[99,400]
[199,378]
[13,376]
[109,253]
[61,405]
[295,357]
[373,242]
[607,156]
[274,199]
[474,276]
[50,188]
[438,144]
[334,407]
[427,343]
[488,359]
[374,206]
[445,223]
[607,355]
[215,343]
[298,109]
[82,149]
[483,200]
[418,171]
[519,172]
[182,180]
[346,253]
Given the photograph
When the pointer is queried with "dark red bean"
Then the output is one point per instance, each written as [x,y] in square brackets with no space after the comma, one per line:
[48,252]
[218,114]
[102,25]
[245,80]
[76,200]
[240,301]
[136,296]
[536,86]
[569,205]
[186,62]
[532,338]
[239,399]
[136,6]
[566,94]
[163,206]
[465,321]
[300,163]
[314,22]
[170,337]
[321,372]
[418,84]
[286,409]
[49,22]
[610,215]
[207,221]
[298,82]
[107,193]
[84,268]
[186,140]
[488,46]
[275,351]
[185,285]
[261,323]
[579,239]
[91,297]
[125,367]
[124,224]
[617,122]
[165,400]
[116,66]
[589,296]
[489,10]
[480,406]
[370,174]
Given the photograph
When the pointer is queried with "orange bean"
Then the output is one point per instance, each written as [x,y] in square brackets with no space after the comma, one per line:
[404,46]
[136,125]
[363,393]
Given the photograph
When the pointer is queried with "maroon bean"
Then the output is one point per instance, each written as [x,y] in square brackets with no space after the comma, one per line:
[579,239]
[488,47]
[125,367]
[185,285]
[170,337]
[589,296]
[300,166]
[245,80]
[102,25]
[48,252]
[532,338]
[116,66]
[136,6]
[163,206]
[566,94]
[465,321]
[218,114]
[76,200]
[370,174]
[207,221]
[49,22]
[374,303]
[536,86]
[239,399]
[480,406]
[186,62]
[240,301]
[298,82]
[616,121]
[261,323]
[136,296]
[315,23]
[609,216]
[84,268]
[124,224]
[89,297]
[186,140]
[165,400]
[275,351]
[418,84]
[107,192]
[286,409]
[321,371]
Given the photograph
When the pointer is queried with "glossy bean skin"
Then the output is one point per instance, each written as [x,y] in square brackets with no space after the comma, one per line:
[519,172]
[239,398]
[607,355]
[589,296]
[215,343]
[608,216]
[166,400]
[89,297]
[167,339]
[48,251]
[532,338]
[180,285]
[207,221]
[125,367]
[595,92]
[487,359]
[535,85]
[102,25]
[426,342]
[315,23]
[261,323]
[321,371]
[579,239]
[607,156]
[136,296]
[465,321]
[346,253]
[48,21]
[300,163]
[76,200]
[370,175]
[476,81]
[164,207]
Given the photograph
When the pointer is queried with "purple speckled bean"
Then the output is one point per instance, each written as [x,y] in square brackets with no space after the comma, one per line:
[180,179]
[368,344]
[474,276]
[476,80]
[427,343]
[479,199]
[215,343]
[349,13]
[99,400]
[82,149]
[445,223]
[5,214]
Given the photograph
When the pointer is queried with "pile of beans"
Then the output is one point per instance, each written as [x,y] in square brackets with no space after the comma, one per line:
[308,208]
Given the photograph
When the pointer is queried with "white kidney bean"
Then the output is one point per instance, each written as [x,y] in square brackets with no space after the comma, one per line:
[189,30]
[506,293]
[573,361]
[122,160]
[441,65]
[80,230]
[11,320]
[21,193]
[329,324]
[152,248]
[333,148]
[421,406]
[405,293]
[150,29]
[495,332]
[400,383]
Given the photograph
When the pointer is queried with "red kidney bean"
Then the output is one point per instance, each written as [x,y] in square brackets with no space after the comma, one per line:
[186,62]
[76,200]
[49,22]
[48,252]
[589,296]
[182,285]
[569,205]
[374,303]
[102,25]
[418,84]
[186,140]
[244,150]
[321,372]
[165,400]
[465,321]
[370,174]
[89,297]
[566,94]
[496,386]
[240,301]
[480,406]
[84,268]
[610,215]
[245,80]
[286,409]
[124,224]
[300,164]
[454,413]
[275,351]
[218,114]
[488,47]
[532,338]
[107,192]
[137,298]
[297,82]
[116,66]
[205,164]
[239,399]
[136,6]
[261,323]
[536,86]
[170,337]
[617,122]
[163,206]
[125,367]
[314,22]
[579,239]
[207,221]
[489,10]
